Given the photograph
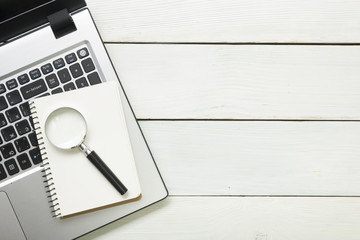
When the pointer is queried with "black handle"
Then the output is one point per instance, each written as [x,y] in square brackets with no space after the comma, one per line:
[105,170]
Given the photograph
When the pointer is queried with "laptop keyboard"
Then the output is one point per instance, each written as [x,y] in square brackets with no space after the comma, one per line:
[18,143]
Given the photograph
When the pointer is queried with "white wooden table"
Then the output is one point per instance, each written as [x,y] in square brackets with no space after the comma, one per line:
[255,140]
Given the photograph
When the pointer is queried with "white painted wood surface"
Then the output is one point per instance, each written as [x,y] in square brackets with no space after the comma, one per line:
[240,81]
[209,165]
[227,21]
[256,157]
[252,218]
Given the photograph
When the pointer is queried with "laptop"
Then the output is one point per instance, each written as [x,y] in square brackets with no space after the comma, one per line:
[47,47]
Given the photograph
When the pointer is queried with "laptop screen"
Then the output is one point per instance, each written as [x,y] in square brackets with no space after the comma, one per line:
[18,8]
[20,16]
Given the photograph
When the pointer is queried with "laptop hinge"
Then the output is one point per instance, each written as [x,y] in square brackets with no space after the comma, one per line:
[61,23]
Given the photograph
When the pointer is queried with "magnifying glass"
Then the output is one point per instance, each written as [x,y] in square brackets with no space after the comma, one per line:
[66,129]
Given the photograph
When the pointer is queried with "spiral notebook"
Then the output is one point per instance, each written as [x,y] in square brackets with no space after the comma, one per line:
[75,186]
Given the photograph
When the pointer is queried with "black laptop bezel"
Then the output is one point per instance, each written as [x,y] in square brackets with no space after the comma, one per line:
[35,18]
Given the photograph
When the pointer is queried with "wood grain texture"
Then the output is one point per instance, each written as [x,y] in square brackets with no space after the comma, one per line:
[240,218]
[240,81]
[227,21]
[257,158]
[247,82]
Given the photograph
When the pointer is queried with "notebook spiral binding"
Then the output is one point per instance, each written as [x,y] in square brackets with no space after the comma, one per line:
[48,180]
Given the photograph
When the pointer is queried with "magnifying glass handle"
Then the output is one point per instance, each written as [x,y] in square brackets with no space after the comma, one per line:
[105,170]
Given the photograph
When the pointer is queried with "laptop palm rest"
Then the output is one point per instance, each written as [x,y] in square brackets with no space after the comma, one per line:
[11,227]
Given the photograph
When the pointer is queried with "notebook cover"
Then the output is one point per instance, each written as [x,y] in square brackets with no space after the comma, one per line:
[78,187]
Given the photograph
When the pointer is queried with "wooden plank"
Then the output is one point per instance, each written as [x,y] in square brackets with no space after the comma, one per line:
[227,21]
[256,157]
[240,218]
[240,81]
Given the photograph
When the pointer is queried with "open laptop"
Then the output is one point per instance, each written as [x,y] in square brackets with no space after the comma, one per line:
[46,47]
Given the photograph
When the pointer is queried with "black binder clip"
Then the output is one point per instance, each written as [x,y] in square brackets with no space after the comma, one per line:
[61,23]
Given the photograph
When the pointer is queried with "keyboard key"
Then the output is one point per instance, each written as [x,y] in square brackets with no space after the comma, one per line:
[3,103]
[81,82]
[8,133]
[2,88]
[33,89]
[94,78]
[25,109]
[57,90]
[3,174]
[23,127]
[88,65]
[69,86]
[11,84]
[23,79]
[46,94]
[52,81]
[24,161]
[59,63]
[11,167]
[83,53]
[7,150]
[13,114]
[47,68]
[70,58]
[76,70]
[3,121]
[33,139]
[22,144]
[64,75]
[34,74]
[31,122]
[13,97]
[1,142]
[35,155]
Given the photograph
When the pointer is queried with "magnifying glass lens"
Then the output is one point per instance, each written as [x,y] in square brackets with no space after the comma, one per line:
[65,128]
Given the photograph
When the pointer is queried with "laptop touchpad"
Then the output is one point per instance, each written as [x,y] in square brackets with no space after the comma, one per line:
[9,229]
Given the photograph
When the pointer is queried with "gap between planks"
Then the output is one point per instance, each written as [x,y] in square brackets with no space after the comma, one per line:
[240,43]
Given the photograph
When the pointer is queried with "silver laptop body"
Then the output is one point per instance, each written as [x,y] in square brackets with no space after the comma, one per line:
[25,212]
